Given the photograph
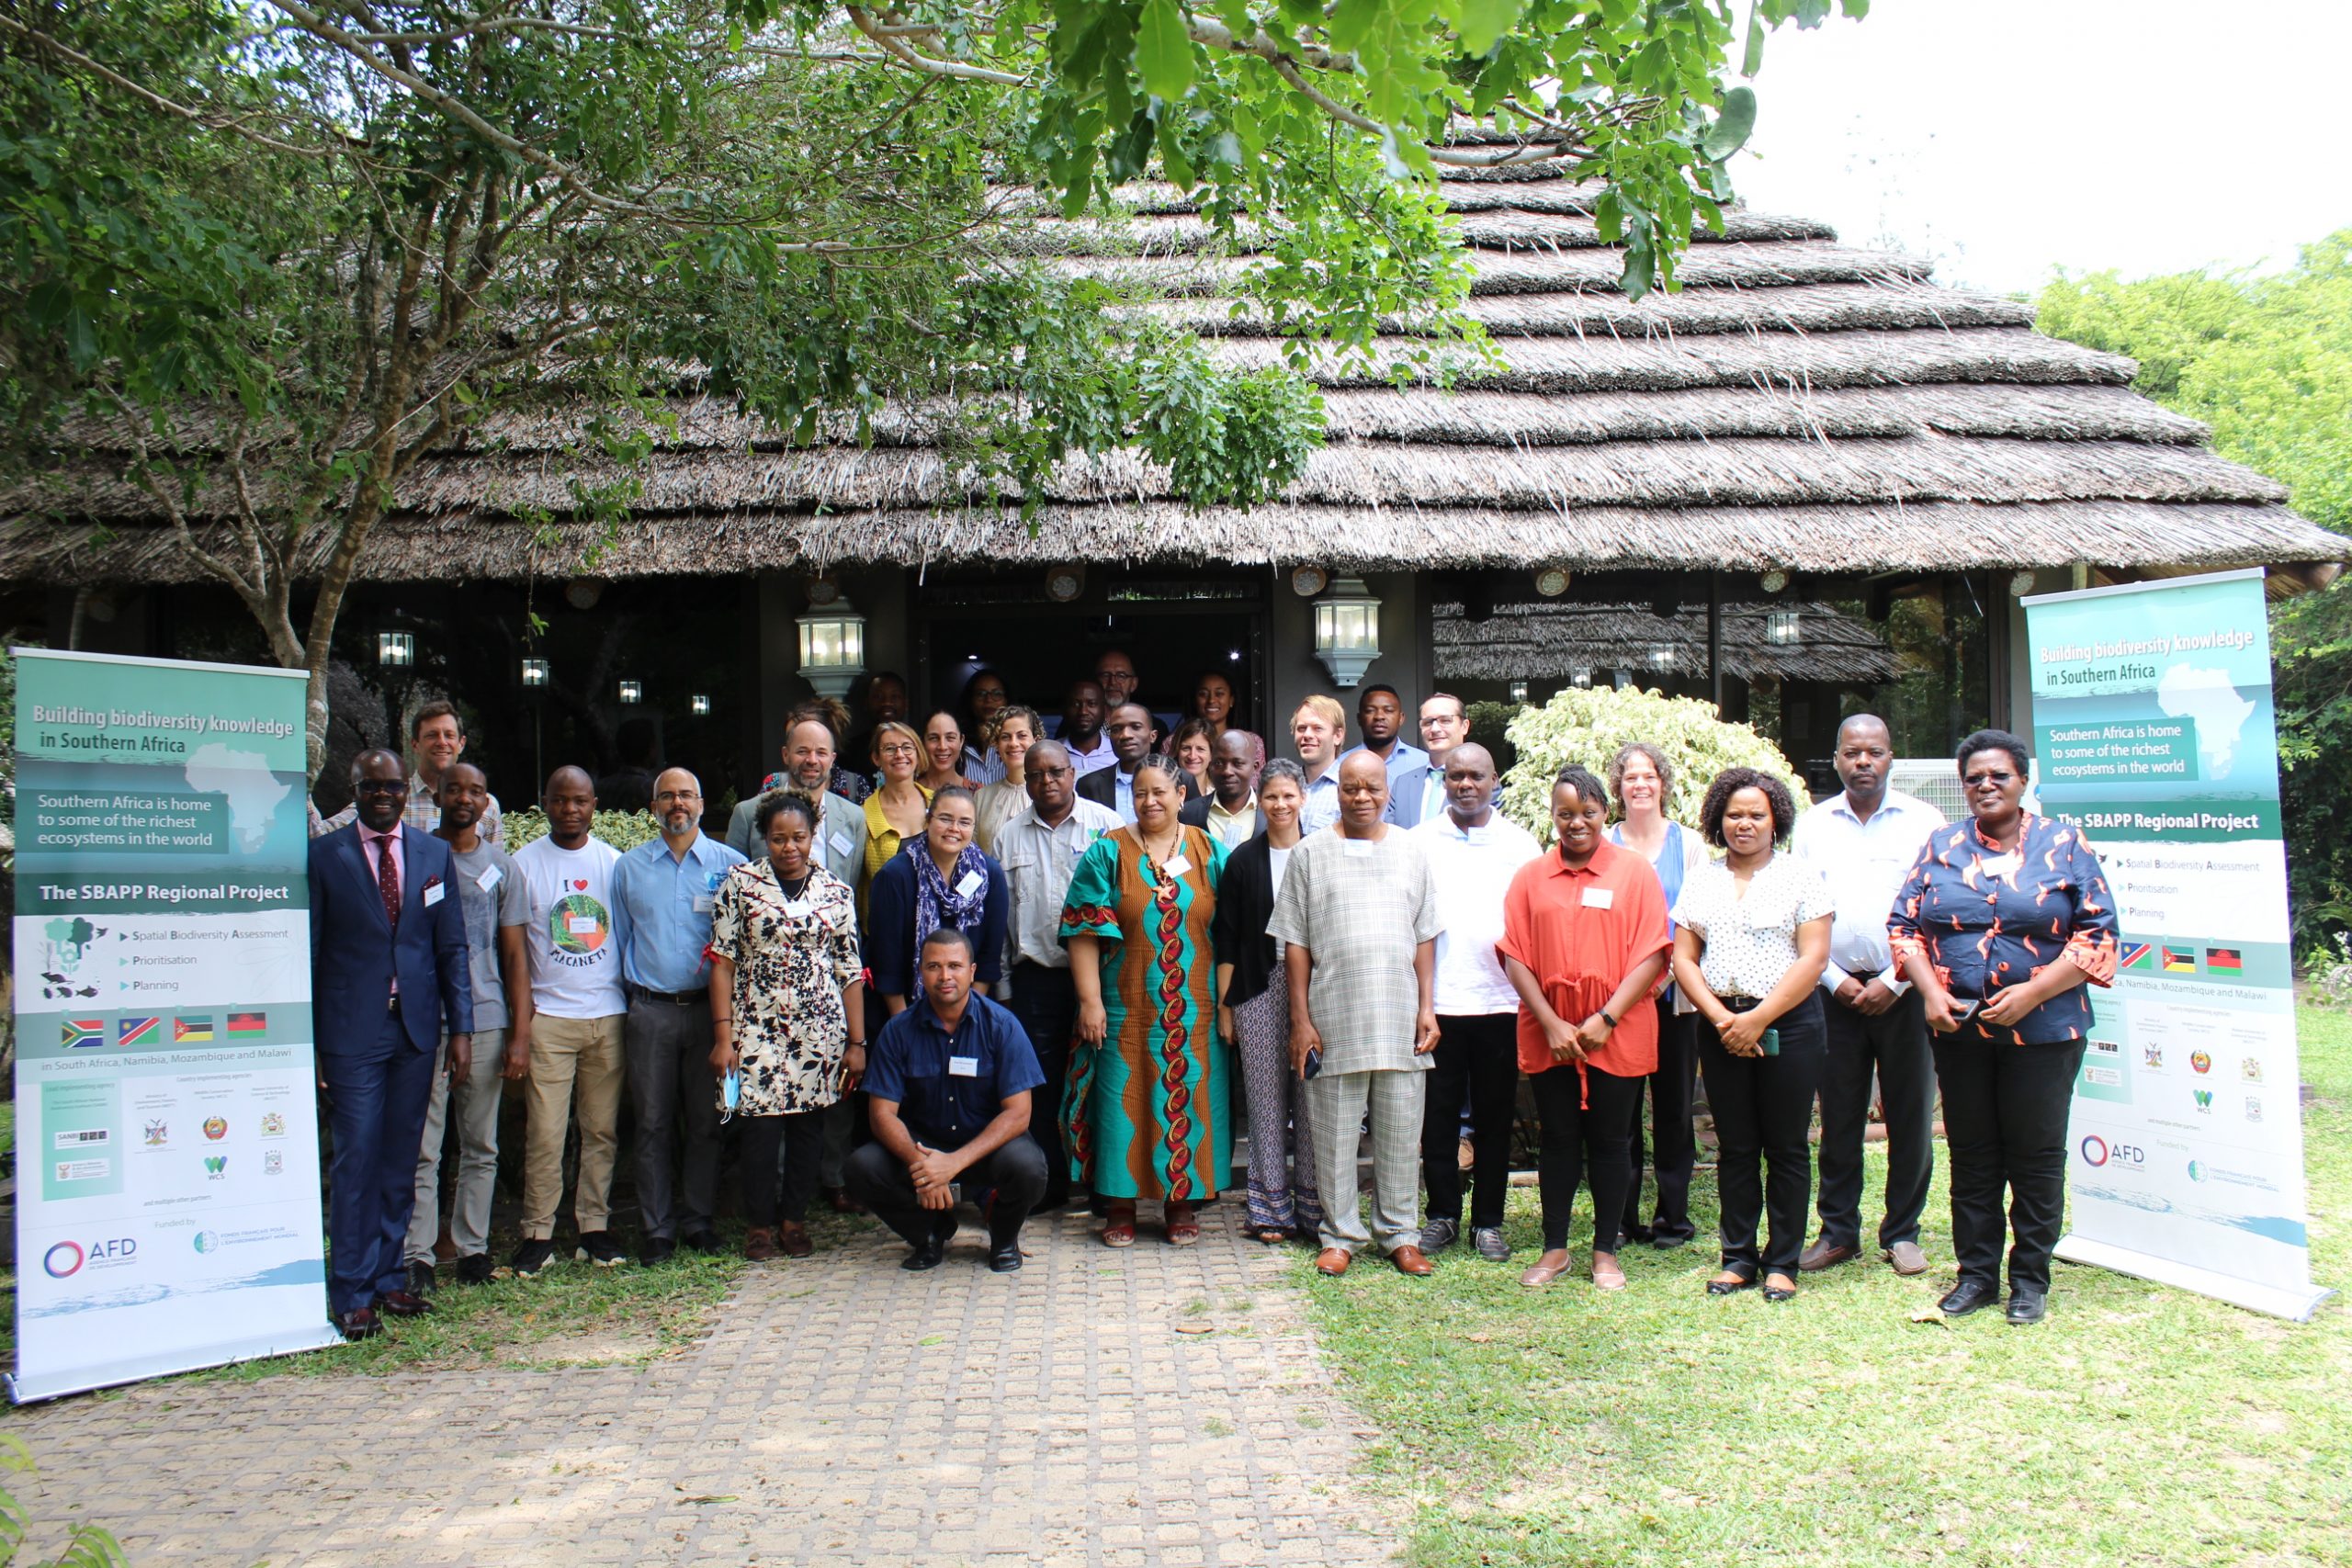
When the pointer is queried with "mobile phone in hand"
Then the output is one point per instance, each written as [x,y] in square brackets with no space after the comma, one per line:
[1314,1061]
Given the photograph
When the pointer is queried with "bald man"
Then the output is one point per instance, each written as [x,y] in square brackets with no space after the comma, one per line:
[577,1005]
[663,892]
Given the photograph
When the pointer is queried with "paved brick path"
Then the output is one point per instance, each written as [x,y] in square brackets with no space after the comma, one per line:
[841,1410]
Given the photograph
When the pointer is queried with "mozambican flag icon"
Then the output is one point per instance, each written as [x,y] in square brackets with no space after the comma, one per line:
[78,1032]
[2138,955]
[138,1030]
[192,1026]
[2179,962]
[249,1023]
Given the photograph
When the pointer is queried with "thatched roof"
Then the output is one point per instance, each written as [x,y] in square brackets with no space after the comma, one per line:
[1551,641]
[1800,405]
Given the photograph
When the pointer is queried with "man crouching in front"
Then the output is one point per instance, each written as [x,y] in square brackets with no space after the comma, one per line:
[947,1089]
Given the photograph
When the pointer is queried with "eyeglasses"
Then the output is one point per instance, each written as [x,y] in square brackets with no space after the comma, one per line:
[897,748]
[676,795]
[1973,780]
[383,786]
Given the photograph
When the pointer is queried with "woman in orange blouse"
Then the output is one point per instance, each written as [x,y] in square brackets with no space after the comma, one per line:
[1584,942]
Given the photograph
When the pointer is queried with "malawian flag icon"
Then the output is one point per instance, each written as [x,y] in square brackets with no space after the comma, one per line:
[249,1023]
[2224,958]
[138,1030]
[2138,955]
[2179,962]
[192,1026]
[72,1031]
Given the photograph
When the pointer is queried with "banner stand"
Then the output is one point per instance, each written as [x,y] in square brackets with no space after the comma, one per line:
[2296,1305]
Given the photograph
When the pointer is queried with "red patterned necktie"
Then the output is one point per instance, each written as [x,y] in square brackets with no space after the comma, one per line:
[388,879]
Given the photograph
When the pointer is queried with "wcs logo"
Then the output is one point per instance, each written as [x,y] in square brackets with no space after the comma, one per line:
[2204,1099]
[215,1163]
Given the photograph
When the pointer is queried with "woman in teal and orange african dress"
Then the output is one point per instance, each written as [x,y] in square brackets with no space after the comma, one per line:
[1145,1114]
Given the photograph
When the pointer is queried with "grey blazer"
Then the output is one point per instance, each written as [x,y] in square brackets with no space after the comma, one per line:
[840,841]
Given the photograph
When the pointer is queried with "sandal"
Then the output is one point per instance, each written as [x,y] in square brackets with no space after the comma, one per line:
[1184,1229]
[1119,1229]
[1273,1236]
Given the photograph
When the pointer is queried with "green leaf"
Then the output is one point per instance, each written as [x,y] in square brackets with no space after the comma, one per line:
[1484,21]
[1751,60]
[1164,49]
[1733,126]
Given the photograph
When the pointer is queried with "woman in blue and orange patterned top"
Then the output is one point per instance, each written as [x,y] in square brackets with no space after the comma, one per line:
[2002,919]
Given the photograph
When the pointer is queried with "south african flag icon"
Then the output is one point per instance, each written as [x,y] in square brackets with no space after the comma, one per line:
[2138,955]
[77,1031]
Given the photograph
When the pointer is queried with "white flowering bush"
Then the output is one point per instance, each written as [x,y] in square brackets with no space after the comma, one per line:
[622,829]
[1585,726]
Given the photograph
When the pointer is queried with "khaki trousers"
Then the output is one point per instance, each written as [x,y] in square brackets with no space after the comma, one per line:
[577,1067]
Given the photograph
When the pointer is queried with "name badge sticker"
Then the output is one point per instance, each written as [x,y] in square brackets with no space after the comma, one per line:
[702,902]
[1177,865]
[1601,897]
[1355,849]
[2002,865]
[490,877]
[433,894]
[964,1067]
[798,909]
[841,844]
[971,882]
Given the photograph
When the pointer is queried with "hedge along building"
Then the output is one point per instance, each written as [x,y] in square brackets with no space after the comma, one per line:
[1810,482]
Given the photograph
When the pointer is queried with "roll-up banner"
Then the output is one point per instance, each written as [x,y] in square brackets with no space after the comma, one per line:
[2153,732]
[167,1203]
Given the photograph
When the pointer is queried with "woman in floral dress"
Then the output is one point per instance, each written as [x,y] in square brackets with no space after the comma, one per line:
[785,985]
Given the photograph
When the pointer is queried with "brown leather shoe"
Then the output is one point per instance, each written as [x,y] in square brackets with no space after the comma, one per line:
[1540,1274]
[1908,1258]
[792,1239]
[841,1203]
[1333,1260]
[401,1303]
[1411,1259]
[1821,1255]
[759,1244]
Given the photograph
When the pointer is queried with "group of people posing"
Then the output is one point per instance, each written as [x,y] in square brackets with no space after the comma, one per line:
[1069,982]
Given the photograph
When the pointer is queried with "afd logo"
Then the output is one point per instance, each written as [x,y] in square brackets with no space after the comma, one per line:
[2098,1151]
[66,1258]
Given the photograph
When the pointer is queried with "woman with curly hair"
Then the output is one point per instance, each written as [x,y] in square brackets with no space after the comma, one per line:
[1751,934]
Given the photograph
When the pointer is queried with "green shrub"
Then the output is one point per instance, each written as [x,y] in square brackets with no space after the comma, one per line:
[1585,726]
[622,829]
[86,1547]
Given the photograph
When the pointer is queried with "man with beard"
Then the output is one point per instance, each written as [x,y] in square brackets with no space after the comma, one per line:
[663,892]
[808,770]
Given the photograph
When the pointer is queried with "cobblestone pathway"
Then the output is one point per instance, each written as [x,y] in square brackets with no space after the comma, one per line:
[841,1411]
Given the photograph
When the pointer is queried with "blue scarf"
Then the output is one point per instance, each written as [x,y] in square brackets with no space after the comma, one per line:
[936,903]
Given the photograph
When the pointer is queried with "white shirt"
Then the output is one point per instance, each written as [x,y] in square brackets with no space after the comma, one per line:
[1473,869]
[1865,864]
[575,963]
[1751,941]
[1083,761]
[1037,862]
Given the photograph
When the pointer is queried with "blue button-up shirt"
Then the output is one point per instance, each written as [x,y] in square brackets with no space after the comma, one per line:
[1403,758]
[950,1085]
[661,906]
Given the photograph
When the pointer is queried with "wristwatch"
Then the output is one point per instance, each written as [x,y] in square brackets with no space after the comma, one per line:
[1610,1016]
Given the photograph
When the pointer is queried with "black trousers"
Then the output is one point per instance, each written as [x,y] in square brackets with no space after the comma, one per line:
[799,1139]
[2004,1118]
[1046,1001]
[1017,1172]
[1585,1131]
[1477,1052]
[1894,1046]
[1763,1109]
[1673,1145]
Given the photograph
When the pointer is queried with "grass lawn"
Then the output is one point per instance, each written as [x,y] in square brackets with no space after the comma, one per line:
[2138,1425]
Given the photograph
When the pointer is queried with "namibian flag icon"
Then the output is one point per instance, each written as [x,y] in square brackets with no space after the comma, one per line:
[2138,955]
[2224,958]
[192,1026]
[2179,962]
[78,1032]
[249,1023]
[138,1030]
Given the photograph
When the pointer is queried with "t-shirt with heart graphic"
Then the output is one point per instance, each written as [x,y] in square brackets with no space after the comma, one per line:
[575,967]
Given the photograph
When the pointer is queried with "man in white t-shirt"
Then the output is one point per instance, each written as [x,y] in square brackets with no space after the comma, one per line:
[574,1027]
[1474,852]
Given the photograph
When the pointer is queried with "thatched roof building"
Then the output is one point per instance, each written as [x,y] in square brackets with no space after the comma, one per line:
[1804,420]
[1560,644]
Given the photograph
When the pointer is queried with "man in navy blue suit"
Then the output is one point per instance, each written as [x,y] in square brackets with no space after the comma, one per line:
[388,967]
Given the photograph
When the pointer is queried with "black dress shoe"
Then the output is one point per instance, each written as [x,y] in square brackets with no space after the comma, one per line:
[1731,1287]
[2028,1306]
[1780,1293]
[473,1268]
[927,1255]
[360,1323]
[1005,1260]
[401,1303]
[705,1241]
[1967,1296]
[656,1250]
[1640,1233]
[419,1278]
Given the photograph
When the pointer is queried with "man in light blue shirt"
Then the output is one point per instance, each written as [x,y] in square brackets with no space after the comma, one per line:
[663,891]
[1865,840]
[1380,716]
[1417,794]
